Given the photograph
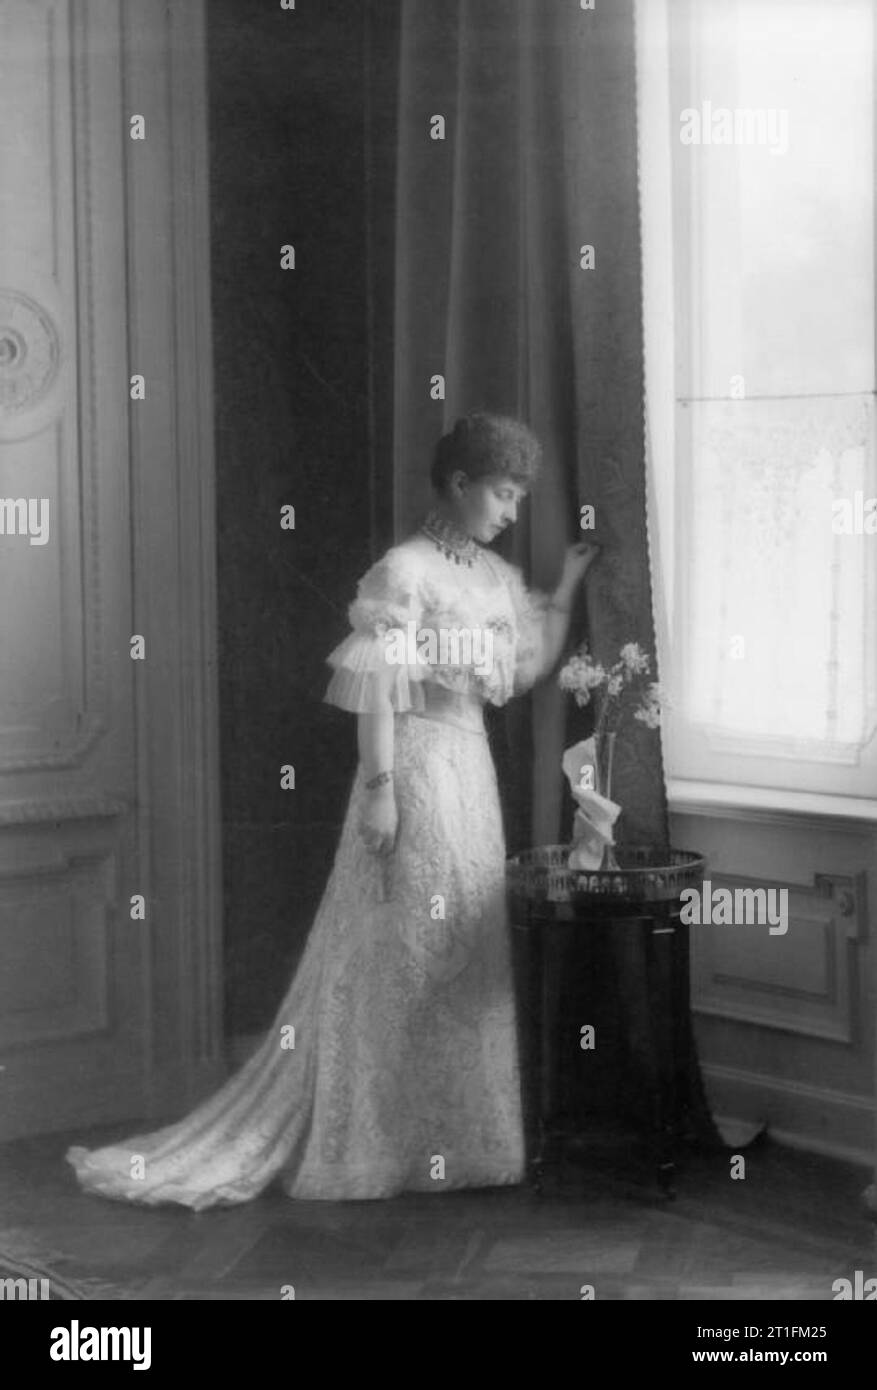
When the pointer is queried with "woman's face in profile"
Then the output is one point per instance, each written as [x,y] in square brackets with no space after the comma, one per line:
[488,505]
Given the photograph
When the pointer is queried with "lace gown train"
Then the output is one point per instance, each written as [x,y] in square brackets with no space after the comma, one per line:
[402,1070]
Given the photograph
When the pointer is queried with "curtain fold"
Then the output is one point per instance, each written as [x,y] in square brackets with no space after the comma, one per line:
[539,159]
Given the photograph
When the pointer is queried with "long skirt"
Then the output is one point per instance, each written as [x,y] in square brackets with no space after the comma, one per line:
[392,1063]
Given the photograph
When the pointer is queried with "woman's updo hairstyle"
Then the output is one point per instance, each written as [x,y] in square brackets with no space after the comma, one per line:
[482,446]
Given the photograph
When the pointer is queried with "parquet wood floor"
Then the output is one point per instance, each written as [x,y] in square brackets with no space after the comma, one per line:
[786,1232]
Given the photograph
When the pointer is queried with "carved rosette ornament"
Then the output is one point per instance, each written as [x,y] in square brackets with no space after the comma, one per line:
[30,353]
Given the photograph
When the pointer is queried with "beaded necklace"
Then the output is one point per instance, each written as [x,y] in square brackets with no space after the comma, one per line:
[449,538]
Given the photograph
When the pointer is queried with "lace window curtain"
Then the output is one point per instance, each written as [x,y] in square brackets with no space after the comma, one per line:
[764,417]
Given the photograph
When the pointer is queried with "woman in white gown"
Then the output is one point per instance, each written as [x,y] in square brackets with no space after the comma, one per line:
[392,1062]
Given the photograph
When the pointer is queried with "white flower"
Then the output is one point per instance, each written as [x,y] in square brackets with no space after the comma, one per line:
[648,715]
[581,675]
[649,712]
[634,658]
[656,694]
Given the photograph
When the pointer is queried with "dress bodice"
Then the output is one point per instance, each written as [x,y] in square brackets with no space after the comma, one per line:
[420,619]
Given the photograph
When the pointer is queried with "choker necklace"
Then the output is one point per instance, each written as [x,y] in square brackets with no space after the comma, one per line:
[454,543]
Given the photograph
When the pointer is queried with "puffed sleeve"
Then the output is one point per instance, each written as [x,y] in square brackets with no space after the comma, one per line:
[530,607]
[373,664]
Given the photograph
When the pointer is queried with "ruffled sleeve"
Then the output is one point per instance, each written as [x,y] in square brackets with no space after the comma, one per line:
[530,607]
[371,665]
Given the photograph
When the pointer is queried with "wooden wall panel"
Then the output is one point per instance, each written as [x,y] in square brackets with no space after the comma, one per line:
[107,766]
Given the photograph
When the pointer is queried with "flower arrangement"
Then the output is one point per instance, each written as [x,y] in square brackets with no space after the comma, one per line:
[584,677]
[588,764]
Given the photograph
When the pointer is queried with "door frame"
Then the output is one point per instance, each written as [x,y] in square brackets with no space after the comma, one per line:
[174,543]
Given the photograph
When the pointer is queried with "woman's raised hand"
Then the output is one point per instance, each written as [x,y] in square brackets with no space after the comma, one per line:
[576,562]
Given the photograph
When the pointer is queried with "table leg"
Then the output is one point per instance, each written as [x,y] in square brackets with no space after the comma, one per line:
[663,1008]
[645,965]
[531,1029]
[696,1121]
[554,955]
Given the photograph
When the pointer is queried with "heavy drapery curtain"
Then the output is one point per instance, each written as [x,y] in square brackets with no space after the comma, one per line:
[539,161]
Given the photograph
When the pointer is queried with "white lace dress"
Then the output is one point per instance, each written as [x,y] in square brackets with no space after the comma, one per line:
[392,1062]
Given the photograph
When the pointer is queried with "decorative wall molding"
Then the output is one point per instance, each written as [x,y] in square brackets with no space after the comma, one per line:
[60,809]
[802,1005]
[805,982]
[53,426]
[101,758]
[63,912]
[30,353]
[815,1118]
[770,805]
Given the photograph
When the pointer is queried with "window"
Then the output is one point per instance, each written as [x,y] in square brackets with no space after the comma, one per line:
[757,173]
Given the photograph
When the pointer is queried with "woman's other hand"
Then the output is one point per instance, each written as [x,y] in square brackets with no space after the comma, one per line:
[379,821]
[576,562]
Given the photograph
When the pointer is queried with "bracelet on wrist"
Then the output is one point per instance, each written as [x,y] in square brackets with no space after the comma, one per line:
[382,779]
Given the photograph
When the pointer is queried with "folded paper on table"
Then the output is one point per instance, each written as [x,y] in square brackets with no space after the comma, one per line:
[592,829]
[596,815]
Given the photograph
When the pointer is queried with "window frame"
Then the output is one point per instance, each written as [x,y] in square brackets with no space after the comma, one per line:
[693,760]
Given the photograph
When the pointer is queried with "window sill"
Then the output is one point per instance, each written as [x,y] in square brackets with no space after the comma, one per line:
[766,803]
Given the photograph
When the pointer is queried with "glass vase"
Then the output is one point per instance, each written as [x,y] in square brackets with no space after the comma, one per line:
[604,755]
